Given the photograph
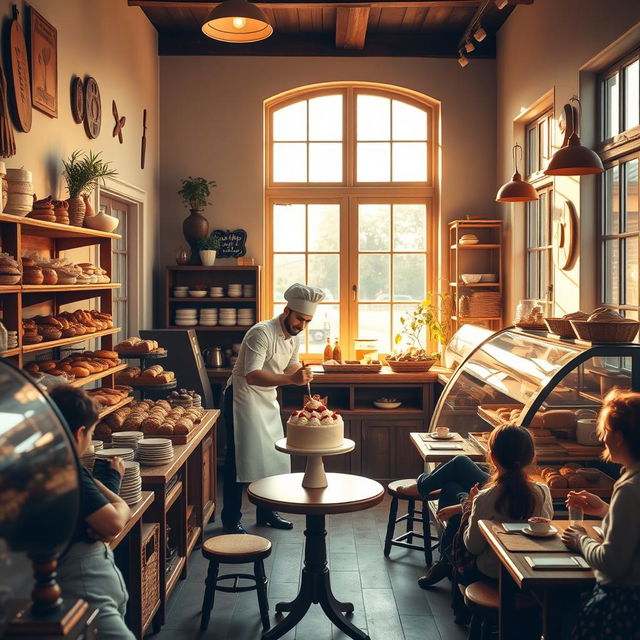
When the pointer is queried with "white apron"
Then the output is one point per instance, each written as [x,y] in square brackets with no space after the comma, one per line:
[257,424]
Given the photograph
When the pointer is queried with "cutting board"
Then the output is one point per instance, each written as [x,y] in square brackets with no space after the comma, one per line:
[20,80]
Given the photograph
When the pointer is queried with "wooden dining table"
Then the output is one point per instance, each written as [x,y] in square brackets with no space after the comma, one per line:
[554,589]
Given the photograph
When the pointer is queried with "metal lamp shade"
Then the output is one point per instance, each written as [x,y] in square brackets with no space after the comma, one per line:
[574,160]
[237,21]
[518,190]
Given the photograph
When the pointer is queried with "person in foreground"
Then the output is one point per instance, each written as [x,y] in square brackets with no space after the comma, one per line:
[509,496]
[613,609]
[87,569]
[268,358]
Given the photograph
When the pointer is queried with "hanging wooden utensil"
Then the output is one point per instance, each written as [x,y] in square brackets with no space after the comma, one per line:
[77,100]
[92,108]
[8,144]
[144,138]
[120,122]
[20,74]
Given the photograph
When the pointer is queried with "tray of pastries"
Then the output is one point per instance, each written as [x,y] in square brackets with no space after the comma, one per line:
[499,414]
[152,376]
[105,397]
[351,366]
[79,365]
[64,325]
[137,346]
[573,476]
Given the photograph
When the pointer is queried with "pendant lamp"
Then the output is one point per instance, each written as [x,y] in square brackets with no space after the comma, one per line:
[574,159]
[517,190]
[237,21]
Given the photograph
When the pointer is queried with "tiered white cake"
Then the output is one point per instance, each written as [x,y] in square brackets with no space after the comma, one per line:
[315,427]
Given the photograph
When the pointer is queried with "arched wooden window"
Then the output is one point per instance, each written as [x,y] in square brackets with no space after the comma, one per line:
[351,173]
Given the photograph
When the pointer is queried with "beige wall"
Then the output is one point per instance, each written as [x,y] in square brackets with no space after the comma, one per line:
[117,45]
[212,125]
[550,46]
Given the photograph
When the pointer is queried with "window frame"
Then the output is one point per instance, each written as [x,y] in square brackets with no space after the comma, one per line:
[545,119]
[349,192]
[546,249]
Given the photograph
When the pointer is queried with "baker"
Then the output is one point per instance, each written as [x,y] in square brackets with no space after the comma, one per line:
[268,358]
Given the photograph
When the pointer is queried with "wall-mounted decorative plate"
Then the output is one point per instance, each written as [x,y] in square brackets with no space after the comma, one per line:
[77,100]
[92,108]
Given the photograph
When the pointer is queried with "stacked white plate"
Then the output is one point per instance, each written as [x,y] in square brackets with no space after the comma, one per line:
[88,458]
[180,292]
[234,290]
[246,317]
[216,292]
[248,290]
[125,454]
[127,439]
[208,317]
[228,317]
[155,451]
[131,485]
[12,339]
[186,317]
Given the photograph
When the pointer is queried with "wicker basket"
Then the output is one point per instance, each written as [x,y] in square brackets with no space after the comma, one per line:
[560,327]
[595,331]
[410,366]
[482,304]
[150,573]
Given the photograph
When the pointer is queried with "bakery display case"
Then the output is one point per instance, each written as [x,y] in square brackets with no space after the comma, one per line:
[555,387]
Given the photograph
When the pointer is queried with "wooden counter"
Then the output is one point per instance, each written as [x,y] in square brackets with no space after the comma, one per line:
[185,494]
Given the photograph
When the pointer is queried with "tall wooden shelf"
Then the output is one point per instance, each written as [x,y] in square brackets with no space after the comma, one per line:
[483,257]
[19,235]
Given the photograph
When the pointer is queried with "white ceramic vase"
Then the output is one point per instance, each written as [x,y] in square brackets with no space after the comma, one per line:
[207,257]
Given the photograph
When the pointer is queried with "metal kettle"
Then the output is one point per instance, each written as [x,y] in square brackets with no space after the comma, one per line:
[213,357]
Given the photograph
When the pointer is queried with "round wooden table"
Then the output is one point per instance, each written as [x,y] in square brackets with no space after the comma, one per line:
[344,494]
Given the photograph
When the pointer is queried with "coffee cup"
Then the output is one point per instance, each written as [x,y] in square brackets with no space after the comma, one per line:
[586,432]
[538,524]
[442,432]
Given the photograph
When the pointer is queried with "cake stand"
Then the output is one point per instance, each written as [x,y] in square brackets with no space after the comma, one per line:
[314,475]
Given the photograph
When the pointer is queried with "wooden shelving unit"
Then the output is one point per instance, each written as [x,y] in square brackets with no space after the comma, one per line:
[483,257]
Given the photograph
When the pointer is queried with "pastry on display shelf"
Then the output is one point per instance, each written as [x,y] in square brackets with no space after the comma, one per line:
[67,272]
[185,399]
[315,426]
[154,374]
[80,365]
[10,270]
[65,325]
[571,475]
[136,346]
[106,397]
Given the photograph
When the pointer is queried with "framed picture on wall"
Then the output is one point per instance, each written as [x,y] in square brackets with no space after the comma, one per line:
[44,65]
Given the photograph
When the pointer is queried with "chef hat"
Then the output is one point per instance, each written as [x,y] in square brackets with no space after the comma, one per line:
[303,299]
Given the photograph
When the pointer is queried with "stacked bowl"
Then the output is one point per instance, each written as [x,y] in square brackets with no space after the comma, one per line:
[248,290]
[19,193]
[216,292]
[246,317]
[234,290]
[228,317]
[181,292]
[186,317]
[209,317]
[131,485]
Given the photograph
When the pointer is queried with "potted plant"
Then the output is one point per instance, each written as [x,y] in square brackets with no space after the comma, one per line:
[83,173]
[195,193]
[208,246]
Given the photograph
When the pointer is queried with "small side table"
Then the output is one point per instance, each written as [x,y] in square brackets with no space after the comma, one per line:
[343,494]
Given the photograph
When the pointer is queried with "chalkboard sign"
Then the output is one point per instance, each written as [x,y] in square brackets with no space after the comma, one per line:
[232,243]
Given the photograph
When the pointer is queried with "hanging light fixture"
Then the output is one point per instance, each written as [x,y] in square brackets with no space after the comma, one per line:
[469,46]
[574,159]
[517,190]
[501,4]
[237,21]
[463,61]
[479,34]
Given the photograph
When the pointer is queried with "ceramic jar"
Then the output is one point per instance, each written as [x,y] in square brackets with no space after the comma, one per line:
[195,227]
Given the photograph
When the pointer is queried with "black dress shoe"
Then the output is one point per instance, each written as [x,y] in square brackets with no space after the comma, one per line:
[274,520]
[436,572]
[233,527]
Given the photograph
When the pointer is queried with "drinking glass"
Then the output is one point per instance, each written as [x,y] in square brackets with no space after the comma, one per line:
[576,515]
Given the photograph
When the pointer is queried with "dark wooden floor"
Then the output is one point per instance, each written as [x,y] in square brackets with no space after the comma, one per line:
[388,602]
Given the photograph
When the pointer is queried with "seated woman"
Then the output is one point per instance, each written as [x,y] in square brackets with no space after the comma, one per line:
[87,569]
[613,610]
[509,496]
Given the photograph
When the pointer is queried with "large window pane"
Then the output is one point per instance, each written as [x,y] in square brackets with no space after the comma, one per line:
[325,324]
[409,122]
[611,271]
[543,219]
[289,162]
[324,272]
[409,273]
[532,275]
[631,205]
[324,227]
[409,227]
[289,228]
[374,118]
[612,201]
[612,111]
[409,161]
[533,226]
[374,227]
[325,162]
[325,118]
[287,269]
[545,144]
[532,151]
[373,276]
[373,161]
[632,95]
[631,271]
[374,321]
[290,123]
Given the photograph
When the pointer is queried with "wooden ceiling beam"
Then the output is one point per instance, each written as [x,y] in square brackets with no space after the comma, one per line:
[351,27]
[312,4]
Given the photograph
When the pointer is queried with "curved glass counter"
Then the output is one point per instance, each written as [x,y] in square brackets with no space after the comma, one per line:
[527,373]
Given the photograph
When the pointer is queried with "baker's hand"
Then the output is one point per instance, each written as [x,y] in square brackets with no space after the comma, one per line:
[571,537]
[301,376]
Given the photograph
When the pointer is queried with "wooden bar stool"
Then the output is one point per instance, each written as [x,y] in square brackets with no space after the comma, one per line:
[236,549]
[412,515]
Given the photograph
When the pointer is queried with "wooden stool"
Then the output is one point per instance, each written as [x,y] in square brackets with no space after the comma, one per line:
[412,515]
[235,549]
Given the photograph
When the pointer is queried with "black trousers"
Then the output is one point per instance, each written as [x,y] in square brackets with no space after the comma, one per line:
[232,490]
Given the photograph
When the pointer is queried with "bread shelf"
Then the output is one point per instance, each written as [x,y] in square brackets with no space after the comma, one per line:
[81,382]
[58,288]
[52,344]
[10,352]
[55,229]
[107,410]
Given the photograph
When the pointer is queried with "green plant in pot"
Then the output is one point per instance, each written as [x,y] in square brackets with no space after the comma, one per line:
[195,193]
[208,247]
[83,172]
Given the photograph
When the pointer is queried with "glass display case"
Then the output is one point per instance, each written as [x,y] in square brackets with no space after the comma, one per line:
[517,376]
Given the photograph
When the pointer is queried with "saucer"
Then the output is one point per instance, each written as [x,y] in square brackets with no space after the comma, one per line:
[547,534]
[435,436]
